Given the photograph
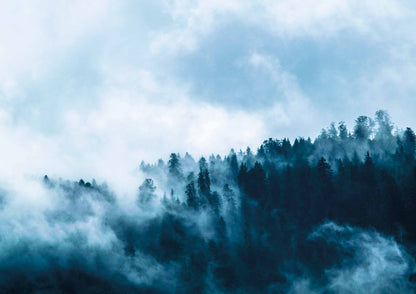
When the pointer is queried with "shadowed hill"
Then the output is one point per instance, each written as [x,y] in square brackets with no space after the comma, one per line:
[333,215]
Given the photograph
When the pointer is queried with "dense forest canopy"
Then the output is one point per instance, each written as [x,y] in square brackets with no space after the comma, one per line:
[332,215]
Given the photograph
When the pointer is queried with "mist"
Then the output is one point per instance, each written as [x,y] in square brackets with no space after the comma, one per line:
[204,146]
[332,215]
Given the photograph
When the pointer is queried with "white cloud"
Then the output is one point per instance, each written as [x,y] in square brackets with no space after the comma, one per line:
[292,113]
[376,263]
[35,37]
[194,20]
[131,124]
[321,18]
[140,111]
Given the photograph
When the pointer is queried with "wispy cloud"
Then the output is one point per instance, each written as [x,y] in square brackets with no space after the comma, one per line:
[82,81]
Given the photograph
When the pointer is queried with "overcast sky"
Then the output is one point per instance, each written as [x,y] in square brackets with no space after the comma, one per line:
[90,88]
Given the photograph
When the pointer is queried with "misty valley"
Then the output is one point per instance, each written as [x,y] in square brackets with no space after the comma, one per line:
[334,214]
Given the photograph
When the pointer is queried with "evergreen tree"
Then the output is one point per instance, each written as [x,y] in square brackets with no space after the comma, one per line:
[409,144]
[255,185]
[146,192]
[363,128]
[204,181]
[233,164]
[229,196]
[191,196]
[343,131]
[174,166]
[325,189]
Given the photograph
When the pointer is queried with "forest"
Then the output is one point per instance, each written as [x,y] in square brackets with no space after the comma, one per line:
[336,214]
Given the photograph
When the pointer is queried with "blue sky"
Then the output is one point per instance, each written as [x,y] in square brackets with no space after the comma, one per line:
[91,88]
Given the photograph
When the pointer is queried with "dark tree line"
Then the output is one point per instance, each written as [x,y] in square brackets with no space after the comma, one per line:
[364,178]
[235,224]
[263,205]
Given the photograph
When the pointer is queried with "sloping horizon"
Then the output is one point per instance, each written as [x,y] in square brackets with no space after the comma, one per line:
[90,90]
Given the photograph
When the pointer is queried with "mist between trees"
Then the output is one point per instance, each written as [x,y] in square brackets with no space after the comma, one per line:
[332,215]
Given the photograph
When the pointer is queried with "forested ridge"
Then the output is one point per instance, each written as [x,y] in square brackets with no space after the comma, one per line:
[366,177]
[332,215]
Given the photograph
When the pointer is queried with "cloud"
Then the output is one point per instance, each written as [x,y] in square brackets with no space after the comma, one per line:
[374,263]
[290,19]
[331,47]
[123,81]
[90,89]
[127,126]
[129,120]
[34,38]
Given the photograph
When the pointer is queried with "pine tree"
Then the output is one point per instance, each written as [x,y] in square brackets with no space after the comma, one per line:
[204,181]
[191,196]
[174,166]
[146,191]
